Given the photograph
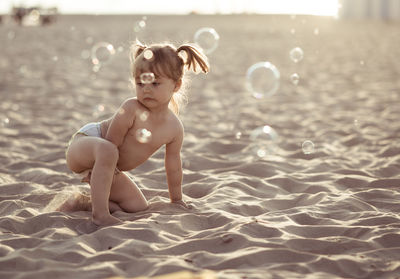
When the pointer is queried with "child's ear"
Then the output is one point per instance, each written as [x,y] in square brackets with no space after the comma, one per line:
[178,85]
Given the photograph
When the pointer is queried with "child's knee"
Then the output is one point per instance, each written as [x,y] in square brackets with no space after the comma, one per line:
[107,150]
[134,206]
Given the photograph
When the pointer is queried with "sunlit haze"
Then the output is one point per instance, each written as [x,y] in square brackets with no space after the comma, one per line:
[314,7]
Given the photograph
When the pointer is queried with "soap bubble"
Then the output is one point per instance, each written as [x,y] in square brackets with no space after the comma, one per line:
[295,78]
[357,125]
[207,38]
[143,135]
[139,25]
[262,79]
[264,140]
[147,78]
[5,122]
[296,54]
[308,147]
[144,115]
[102,53]
[98,109]
[148,54]
[238,135]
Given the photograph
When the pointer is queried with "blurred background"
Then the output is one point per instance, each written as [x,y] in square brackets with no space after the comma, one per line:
[347,9]
[316,7]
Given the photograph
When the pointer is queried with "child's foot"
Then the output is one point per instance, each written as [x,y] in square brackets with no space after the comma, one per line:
[107,220]
[77,202]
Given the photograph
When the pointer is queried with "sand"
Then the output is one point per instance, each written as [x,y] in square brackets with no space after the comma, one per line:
[333,213]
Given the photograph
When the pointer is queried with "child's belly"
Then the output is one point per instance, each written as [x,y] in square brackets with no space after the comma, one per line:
[132,154]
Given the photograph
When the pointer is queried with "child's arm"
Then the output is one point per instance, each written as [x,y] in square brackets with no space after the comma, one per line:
[173,167]
[122,120]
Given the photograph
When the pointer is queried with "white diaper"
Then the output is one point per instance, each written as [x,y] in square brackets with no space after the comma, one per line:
[92,129]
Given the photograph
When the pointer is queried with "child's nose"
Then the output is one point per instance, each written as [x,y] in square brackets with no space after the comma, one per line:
[147,88]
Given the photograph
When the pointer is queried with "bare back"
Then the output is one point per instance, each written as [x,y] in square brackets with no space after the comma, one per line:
[132,153]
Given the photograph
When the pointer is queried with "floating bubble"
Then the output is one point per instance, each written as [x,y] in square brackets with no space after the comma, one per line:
[264,140]
[295,78]
[308,147]
[296,54]
[121,111]
[147,78]
[96,68]
[262,79]
[98,109]
[207,38]
[316,31]
[143,135]
[148,54]
[102,53]
[144,115]
[238,135]
[25,71]
[357,125]
[139,25]
[5,122]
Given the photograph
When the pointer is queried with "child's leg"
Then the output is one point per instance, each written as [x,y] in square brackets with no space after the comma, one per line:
[101,156]
[81,202]
[126,194]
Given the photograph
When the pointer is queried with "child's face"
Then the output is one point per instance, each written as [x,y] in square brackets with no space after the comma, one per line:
[157,93]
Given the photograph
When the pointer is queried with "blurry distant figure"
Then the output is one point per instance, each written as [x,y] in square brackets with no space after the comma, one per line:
[48,16]
[18,14]
[34,16]
[375,9]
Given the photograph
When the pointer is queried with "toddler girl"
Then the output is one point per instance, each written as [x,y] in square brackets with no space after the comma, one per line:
[141,126]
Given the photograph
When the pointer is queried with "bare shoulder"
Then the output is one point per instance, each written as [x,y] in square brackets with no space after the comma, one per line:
[176,123]
[130,104]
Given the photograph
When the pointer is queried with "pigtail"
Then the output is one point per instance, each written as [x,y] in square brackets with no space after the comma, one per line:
[136,49]
[194,58]
[174,105]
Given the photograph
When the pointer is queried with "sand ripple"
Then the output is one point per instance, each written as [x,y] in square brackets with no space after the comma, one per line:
[330,214]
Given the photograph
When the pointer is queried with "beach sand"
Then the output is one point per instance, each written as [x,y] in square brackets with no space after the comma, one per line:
[333,213]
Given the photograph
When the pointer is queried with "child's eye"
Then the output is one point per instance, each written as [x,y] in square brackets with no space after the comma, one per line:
[156,83]
[139,84]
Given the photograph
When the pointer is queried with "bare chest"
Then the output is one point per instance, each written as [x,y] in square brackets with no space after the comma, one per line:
[140,142]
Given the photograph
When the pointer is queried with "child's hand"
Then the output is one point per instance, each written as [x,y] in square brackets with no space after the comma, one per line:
[184,204]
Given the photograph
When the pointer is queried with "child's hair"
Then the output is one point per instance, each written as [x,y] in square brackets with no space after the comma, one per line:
[166,60]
